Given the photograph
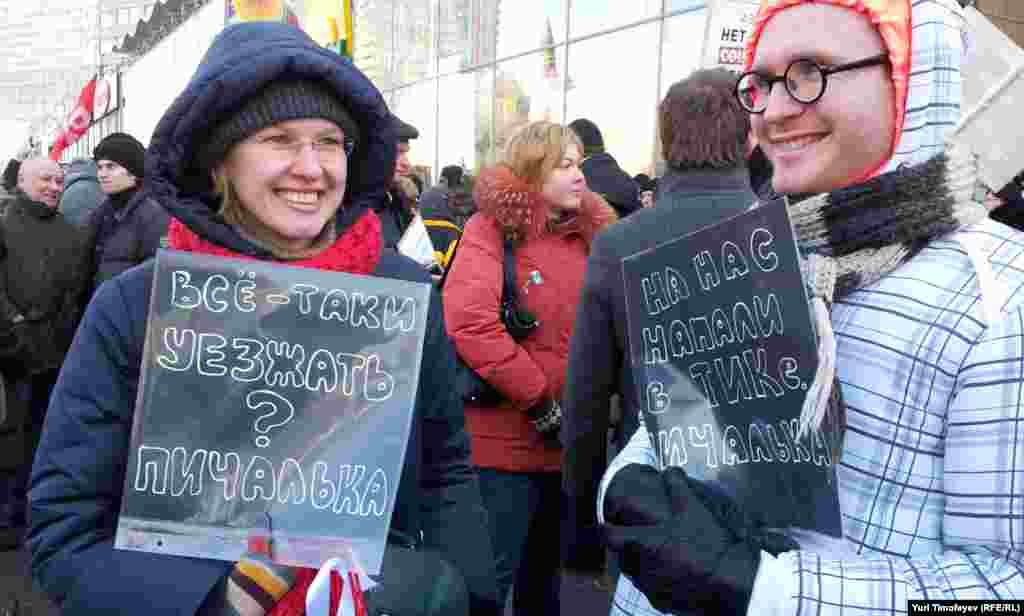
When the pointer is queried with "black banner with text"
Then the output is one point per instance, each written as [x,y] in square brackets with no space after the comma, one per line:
[723,349]
[271,396]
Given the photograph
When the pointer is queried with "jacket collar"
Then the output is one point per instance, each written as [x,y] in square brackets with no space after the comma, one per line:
[36,209]
[136,197]
[675,180]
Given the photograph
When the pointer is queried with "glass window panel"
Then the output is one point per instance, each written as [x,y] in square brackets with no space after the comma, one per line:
[416,105]
[626,120]
[414,36]
[684,5]
[590,16]
[680,56]
[469,33]
[524,25]
[465,126]
[527,89]
[374,51]
[681,48]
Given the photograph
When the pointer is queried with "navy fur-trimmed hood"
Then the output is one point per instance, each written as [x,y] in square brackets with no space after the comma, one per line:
[242,60]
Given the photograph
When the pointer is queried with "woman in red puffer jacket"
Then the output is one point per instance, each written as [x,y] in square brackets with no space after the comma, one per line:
[538,200]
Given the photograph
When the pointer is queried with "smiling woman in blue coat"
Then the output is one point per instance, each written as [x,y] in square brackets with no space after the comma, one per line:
[216,163]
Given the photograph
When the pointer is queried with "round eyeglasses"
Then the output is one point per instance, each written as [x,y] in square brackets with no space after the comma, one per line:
[805,80]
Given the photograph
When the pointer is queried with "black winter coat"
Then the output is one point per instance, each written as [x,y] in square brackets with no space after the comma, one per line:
[599,350]
[126,234]
[606,178]
[44,262]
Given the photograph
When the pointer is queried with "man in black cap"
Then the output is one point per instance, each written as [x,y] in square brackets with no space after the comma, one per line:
[128,227]
[396,211]
[603,173]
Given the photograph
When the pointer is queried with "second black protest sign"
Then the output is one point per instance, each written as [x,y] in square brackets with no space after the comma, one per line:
[723,351]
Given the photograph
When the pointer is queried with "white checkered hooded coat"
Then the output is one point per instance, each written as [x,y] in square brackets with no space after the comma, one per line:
[931,478]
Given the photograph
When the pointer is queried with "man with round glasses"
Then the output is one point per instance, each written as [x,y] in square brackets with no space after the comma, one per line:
[923,294]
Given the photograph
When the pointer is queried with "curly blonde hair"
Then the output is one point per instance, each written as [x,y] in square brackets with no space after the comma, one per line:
[536,149]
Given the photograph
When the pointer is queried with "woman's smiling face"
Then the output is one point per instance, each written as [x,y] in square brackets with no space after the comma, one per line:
[290,177]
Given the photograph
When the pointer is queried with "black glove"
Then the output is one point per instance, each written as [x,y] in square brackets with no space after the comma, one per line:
[636,496]
[546,417]
[696,560]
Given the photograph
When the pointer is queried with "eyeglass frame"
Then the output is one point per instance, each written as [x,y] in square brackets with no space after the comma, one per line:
[824,70]
[348,146]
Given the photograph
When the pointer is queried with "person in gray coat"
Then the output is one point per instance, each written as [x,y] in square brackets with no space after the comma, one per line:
[82,193]
[706,181]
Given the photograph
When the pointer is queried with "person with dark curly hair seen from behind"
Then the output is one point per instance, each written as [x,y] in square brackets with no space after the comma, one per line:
[704,142]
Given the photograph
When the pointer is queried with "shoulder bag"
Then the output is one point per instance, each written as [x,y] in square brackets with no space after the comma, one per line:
[517,320]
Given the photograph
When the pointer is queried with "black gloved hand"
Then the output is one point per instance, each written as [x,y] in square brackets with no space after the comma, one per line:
[636,496]
[695,560]
[737,520]
[546,417]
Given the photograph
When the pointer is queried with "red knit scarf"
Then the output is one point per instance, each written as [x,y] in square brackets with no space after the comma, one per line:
[355,252]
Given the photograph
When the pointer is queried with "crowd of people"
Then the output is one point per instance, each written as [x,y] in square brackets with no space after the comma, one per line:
[527,453]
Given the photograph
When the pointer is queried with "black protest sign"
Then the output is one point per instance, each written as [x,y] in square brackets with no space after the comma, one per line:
[723,351]
[271,396]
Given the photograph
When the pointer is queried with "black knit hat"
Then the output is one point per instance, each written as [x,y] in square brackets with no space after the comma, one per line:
[124,150]
[279,101]
[10,177]
[589,134]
